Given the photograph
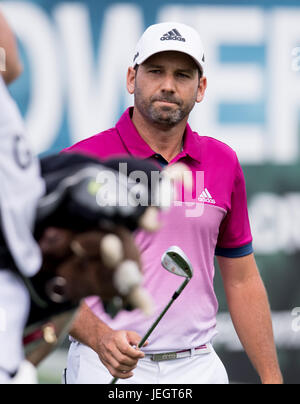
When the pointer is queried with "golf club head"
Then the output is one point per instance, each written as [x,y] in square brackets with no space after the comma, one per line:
[175,261]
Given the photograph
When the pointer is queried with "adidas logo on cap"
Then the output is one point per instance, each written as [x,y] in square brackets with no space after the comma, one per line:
[173,35]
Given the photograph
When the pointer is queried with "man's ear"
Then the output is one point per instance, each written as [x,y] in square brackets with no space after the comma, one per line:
[131,80]
[201,89]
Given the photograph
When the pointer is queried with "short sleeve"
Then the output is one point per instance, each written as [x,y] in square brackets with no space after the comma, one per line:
[235,238]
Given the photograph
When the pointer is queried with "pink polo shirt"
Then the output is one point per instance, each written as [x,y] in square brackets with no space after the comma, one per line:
[221,228]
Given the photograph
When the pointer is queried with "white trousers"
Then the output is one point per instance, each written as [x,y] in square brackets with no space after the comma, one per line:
[85,367]
[14,308]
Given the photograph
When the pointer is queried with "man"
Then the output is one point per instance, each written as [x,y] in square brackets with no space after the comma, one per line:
[167,79]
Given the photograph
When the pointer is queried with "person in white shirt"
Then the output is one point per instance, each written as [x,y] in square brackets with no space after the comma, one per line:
[21,188]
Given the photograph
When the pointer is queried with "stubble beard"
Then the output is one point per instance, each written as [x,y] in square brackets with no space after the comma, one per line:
[164,117]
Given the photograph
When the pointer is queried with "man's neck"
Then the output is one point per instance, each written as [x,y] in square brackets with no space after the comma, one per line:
[165,141]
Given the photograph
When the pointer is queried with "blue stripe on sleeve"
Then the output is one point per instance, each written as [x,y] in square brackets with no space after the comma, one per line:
[235,252]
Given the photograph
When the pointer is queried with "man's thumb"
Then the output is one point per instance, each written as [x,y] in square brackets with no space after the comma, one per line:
[134,338]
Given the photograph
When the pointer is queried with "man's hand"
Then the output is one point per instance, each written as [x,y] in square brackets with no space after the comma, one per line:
[116,351]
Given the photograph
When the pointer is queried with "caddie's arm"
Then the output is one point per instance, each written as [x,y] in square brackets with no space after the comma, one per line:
[11,66]
[250,312]
[115,348]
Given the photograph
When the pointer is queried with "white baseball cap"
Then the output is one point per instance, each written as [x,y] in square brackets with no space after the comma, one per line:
[170,36]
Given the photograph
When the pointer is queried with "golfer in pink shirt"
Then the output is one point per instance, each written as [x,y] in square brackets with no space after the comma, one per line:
[167,79]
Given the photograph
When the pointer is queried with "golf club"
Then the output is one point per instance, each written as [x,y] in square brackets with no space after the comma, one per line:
[175,261]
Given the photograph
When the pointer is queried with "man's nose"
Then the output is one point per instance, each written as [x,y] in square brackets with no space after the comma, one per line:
[168,84]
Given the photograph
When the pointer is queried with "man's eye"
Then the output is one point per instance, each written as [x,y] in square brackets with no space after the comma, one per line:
[155,71]
[183,75]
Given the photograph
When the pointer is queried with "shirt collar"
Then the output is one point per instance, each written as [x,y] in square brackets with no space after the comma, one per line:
[133,141]
[191,144]
[136,145]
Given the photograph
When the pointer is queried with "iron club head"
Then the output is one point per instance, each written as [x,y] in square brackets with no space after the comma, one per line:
[175,261]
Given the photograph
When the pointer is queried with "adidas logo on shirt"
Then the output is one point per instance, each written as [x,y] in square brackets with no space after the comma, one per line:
[172,35]
[206,197]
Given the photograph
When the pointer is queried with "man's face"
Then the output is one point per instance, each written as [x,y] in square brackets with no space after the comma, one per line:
[166,87]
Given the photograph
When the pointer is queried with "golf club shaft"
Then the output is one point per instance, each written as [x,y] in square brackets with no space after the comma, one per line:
[154,325]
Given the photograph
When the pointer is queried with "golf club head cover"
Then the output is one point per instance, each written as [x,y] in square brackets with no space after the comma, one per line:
[72,229]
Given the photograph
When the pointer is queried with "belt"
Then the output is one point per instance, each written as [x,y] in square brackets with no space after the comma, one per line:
[167,356]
